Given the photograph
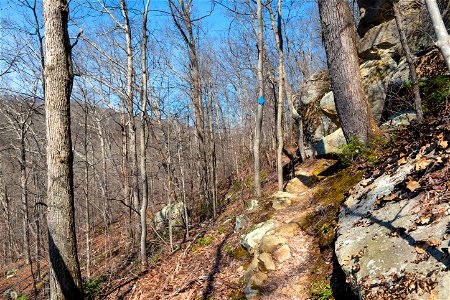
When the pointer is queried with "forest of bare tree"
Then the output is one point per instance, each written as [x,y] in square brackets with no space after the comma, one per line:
[125,124]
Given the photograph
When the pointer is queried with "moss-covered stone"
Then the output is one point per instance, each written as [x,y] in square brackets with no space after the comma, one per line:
[238,253]
[331,190]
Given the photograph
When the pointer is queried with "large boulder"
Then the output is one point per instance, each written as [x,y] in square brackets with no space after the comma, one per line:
[252,239]
[282,200]
[325,126]
[328,105]
[385,250]
[376,76]
[173,212]
[331,144]
[314,89]
[378,29]
[373,13]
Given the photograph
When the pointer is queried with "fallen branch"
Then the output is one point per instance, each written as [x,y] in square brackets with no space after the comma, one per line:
[185,287]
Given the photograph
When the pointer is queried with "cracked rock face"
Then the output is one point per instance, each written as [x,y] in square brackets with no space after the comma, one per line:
[393,249]
[378,30]
[373,13]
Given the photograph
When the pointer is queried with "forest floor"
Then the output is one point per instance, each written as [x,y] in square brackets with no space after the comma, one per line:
[212,264]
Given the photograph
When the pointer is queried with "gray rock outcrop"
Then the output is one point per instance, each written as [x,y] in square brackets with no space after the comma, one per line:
[174,212]
[386,250]
[331,144]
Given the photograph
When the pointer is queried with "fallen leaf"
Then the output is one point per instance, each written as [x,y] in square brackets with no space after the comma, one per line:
[420,250]
[433,243]
[424,219]
[412,185]
[392,196]
[422,163]
[402,161]
[421,247]
[433,295]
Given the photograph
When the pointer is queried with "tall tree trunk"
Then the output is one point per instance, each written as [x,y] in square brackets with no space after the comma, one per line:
[181,16]
[212,153]
[169,189]
[443,37]
[259,114]
[86,194]
[65,276]
[339,36]
[409,60]
[104,176]
[131,120]
[126,174]
[6,207]
[183,185]
[143,139]
[38,216]
[24,196]
[278,34]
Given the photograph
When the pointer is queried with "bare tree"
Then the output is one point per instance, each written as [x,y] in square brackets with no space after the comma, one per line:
[443,38]
[182,17]
[259,115]
[280,107]
[65,277]
[410,61]
[19,113]
[130,110]
[143,137]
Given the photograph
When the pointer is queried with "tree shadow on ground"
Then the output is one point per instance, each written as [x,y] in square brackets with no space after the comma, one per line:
[440,255]
[215,269]
[342,290]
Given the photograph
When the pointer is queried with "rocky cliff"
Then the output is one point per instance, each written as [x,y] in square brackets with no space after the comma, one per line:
[383,68]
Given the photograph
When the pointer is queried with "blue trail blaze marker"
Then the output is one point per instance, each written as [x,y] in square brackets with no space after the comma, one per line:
[261,100]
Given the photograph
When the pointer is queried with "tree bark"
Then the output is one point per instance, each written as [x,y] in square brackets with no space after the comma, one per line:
[278,34]
[339,36]
[409,60]
[126,173]
[65,277]
[183,185]
[143,144]
[131,121]
[24,196]
[86,192]
[443,37]
[259,114]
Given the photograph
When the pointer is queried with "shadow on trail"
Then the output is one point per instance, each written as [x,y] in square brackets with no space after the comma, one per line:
[215,269]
